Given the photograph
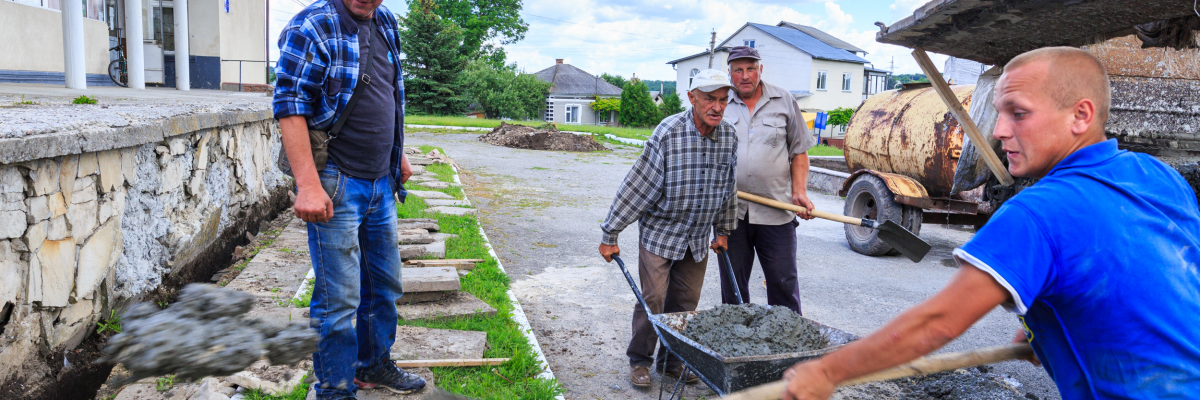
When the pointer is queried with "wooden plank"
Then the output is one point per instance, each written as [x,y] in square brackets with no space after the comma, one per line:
[469,362]
[964,120]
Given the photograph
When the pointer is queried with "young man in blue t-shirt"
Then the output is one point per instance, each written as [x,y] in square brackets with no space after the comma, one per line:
[1099,259]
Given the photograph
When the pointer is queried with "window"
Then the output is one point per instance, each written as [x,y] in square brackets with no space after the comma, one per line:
[691,75]
[549,111]
[748,42]
[572,116]
[821,78]
[846,82]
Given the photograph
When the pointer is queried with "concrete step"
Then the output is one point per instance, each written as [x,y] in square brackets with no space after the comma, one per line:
[462,264]
[429,194]
[416,160]
[439,185]
[418,343]
[450,210]
[273,274]
[456,305]
[428,224]
[437,249]
[415,236]
[447,202]
[429,279]
[275,380]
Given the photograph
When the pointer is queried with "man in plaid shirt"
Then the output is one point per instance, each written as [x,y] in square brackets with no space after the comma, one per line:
[680,188]
[350,202]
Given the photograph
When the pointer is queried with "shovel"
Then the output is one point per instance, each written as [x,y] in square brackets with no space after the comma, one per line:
[921,366]
[890,232]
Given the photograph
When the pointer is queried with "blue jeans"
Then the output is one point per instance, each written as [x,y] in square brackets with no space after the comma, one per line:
[357,267]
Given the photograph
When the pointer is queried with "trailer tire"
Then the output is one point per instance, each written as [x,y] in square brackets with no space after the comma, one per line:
[870,198]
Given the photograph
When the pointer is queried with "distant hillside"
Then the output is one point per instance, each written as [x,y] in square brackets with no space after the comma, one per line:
[897,80]
[668,86]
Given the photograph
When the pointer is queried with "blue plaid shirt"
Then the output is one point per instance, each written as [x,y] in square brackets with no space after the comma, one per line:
[318,66]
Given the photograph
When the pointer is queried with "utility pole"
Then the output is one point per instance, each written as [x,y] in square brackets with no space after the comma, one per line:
[712,44]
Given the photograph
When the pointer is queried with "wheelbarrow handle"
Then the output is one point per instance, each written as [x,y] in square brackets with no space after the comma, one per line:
[728,266]
[632,285]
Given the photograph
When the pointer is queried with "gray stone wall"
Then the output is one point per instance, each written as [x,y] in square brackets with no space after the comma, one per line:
[82,233]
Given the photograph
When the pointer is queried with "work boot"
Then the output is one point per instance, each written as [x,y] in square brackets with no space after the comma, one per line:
[640,376]
[673,373]
[386,375]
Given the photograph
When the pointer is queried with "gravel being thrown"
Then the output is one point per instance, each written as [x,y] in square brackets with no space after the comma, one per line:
[754,330]
[204,334]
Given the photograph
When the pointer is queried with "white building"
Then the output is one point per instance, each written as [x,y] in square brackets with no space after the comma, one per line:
[227,41]
[821,76]
[572,94]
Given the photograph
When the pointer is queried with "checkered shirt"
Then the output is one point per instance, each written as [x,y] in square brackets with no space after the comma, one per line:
[678,189]
[318,68]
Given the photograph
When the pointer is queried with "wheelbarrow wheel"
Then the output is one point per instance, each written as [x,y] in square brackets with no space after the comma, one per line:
[870,198]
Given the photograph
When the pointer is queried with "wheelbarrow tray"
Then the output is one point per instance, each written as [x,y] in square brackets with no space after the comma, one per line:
[730,374]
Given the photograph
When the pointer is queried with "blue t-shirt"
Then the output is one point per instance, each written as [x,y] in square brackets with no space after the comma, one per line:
[1101,260]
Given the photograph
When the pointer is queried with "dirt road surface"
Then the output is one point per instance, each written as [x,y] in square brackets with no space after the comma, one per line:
[542,210]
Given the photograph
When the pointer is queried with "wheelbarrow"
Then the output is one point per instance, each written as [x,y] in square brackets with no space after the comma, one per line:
[720,373]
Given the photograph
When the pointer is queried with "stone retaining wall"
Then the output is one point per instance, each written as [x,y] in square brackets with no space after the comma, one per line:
[91,221]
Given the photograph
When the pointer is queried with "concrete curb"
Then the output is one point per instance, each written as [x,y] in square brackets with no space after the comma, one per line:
[632,142]
[826,180]
[15,150]
[518,314]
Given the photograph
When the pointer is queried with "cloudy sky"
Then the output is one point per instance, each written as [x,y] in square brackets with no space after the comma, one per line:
[639,36]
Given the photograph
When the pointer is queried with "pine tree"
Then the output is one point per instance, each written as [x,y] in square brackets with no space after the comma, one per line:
[433,61]
[637,109]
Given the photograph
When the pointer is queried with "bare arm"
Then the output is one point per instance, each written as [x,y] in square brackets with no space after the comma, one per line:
[971,294]
[800,184]
[312,203]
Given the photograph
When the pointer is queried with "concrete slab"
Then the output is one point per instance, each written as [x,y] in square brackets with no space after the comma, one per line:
[273,274]
[414,236]
[271,379]
[447,202]
[275,313]
[423,297]
[439,185]
[428,224]
[450,210]
[418,343]
[457,305]
[384,394]
[148,390]
[429,279]
[417,160]
[436,249]
[429,194]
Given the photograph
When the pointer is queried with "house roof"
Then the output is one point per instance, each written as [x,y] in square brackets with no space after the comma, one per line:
[872,69]
[995,31]
[703,53]
[822,36]
[806,43]
[566,79]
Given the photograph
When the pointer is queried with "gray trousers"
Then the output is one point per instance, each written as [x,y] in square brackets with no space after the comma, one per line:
[776,249]
[668,286]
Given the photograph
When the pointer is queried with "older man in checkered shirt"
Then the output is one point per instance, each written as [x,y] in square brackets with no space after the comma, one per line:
[681,188]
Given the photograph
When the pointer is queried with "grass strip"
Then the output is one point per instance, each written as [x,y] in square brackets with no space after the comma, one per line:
[490,284]
[824,150]
[629,133]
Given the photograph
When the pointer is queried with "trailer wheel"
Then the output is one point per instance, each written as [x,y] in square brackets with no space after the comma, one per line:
[870,198]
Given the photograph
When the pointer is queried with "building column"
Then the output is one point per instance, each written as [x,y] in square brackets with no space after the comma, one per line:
[135,59]
[183,77]
[75,66]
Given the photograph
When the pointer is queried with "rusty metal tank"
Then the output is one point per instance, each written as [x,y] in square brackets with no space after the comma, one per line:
[908,132]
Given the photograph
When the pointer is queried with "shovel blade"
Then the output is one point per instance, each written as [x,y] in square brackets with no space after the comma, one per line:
[903,241]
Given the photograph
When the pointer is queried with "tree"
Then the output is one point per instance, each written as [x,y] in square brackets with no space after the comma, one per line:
[615,80]
[606,105]
[482,22]
[504,92]
[840,116]
[665,86]
[637,109]
[433,63]
[671,104]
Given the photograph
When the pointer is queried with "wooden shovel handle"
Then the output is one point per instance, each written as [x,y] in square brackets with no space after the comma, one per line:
[921,366]
[792,207]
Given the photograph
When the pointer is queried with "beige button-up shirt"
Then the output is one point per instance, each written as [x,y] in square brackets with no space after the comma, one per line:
[768,139]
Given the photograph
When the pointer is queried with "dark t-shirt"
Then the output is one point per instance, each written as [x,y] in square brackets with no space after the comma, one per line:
[363,149]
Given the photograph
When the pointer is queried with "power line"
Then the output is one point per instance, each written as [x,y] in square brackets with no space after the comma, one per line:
[610,30]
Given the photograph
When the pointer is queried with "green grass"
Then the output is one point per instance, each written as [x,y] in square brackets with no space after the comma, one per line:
[823,150]
[298,393]
[24,102]
[164,383]
[84,100]
[516,378]
[111,324]
[629,133]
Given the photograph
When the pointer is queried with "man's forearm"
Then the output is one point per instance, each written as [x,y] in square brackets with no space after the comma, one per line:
[970,295]
[800,173]
[299,152]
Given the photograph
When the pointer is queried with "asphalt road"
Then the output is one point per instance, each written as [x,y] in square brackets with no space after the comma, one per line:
[542,211]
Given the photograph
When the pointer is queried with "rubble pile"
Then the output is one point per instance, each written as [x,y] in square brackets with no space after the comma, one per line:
[546,137]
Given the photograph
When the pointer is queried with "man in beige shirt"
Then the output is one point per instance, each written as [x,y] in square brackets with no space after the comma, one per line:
[773,163]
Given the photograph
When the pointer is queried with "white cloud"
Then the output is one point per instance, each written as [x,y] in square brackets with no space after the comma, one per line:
[837,16]
[904,8]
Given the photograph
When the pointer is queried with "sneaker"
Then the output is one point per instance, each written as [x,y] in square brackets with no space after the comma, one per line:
[386,375]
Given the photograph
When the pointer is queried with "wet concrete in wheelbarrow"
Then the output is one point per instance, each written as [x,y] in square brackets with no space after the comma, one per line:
[542,211]
[754,330]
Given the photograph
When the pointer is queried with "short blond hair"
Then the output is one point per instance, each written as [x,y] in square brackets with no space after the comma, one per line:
[1073,75]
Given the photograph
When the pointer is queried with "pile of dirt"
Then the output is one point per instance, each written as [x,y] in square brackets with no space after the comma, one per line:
[204,334]
[546,137]
[754,330]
